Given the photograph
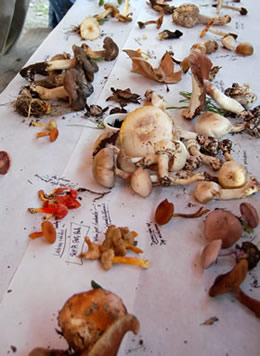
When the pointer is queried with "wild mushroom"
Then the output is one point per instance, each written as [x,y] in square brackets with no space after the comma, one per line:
[242,94]
[249,214]
[5,162]
[232,174]
[52,134]
[245,49]
[200,67]
[228,282]
[165,212]
[59,210]
[141,182]
[168,35]
[109,53]
[104,169]
[108,258]
[241,10]
[210,253]
[206,191]
[223,100]
[157,22]
[48,231]
[211,124]
[188,15]
[89,29]
[194,149]
[125,16]
[86,318]
[222,225]
[109,9]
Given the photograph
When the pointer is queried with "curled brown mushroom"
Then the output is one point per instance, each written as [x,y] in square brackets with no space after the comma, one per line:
[5,162]
[165,212]
[109,52]
[222,225]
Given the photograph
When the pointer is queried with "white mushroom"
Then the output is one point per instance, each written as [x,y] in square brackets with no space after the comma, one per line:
[89,29]
[215,125]
[141,182]
[232,174]
[206,191]
[242,94]
[223,100]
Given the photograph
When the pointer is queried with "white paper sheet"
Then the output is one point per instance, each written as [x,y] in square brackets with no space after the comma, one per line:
[170,298]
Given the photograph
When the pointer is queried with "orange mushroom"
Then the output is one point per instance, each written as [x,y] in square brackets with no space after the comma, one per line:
[48,231]
[53,134]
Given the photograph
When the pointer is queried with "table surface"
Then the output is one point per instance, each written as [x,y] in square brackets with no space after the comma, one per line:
[171,298]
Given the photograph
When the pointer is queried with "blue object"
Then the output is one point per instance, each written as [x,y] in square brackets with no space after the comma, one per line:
[58,9]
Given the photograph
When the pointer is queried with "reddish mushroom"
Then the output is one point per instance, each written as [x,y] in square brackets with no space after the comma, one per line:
[48,231]
[5,162]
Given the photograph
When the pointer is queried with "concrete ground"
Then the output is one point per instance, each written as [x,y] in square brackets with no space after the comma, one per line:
[35,30]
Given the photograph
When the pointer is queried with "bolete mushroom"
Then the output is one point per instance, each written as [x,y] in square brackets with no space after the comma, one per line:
[222,225]
[188,15]
[95,322]
[5,162]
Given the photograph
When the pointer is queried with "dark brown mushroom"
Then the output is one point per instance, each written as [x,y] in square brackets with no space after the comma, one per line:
[249,213]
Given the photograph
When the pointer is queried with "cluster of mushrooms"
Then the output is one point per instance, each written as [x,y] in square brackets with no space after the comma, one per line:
[65,78]
[151,149]
[93,323]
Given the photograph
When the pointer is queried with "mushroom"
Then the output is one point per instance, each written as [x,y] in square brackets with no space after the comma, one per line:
[232,174]
[168,35]
[94,322]
[250,215]
[104,169]
[210,253]
[228,42]
[109,53]
[210,124]
[165,212]
[59,210]
[223,100]
[227,282]
[157,22]
[200,66]
[89,29]
[108,258]
[194,149]
[242,94]
[241,10]
[245,49]
[141,182]
[206,191]
[5,162]
[125,16]
[109,9]
[48,231]
[188,15]
[222,225]
[53,134]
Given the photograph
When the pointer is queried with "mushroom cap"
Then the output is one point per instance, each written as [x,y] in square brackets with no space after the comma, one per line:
[89,29]
[103,167]
[142,128]
[249,213]
[206,191]
[5,162]
[76,88]
[111,49]
[141,182]
[112,7]
[212,124]
[48,231]
[186,15]
[223,225]
[232,175]
[86,316]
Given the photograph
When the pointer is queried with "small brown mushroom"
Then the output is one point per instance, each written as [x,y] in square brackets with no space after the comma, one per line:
[249,213]
[5,162]
[157,22]
[48,231]
[109,53]
[222,225]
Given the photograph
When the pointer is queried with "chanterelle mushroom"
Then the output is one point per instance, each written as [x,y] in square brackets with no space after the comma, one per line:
[188,15]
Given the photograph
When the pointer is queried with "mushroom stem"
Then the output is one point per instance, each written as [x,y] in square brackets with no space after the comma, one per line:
[194,149]
[104,14]
[249,302]
[49,126]
[53,134]
[218,21]
[47,94]
[126,8]
[131,261]
[219,6]
[223,100]
[178,180]
[241,10]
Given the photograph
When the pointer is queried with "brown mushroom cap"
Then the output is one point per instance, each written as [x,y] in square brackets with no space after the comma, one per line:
[112,8]
[249,213]
[48,231]
[5,162]
[111,49]
[86,316]
[223,225]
